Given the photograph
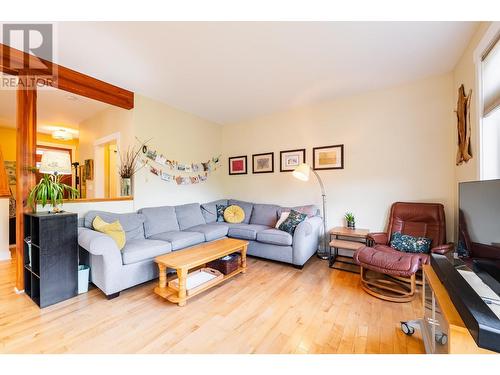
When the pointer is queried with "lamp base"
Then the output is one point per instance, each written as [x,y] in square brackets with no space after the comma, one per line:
[322,255]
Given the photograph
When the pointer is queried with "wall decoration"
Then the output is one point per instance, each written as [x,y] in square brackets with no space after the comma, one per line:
[10,169]
[162,166]
[238,165]
[464,152]
[291,159]
[328,157]
[89,168]
[263,163]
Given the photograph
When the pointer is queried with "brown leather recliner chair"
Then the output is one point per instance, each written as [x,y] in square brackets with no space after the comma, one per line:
[386,272]
[418,220]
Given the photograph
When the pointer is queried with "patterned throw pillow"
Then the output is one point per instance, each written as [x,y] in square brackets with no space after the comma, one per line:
[291,222]
[220,211]
[410,244]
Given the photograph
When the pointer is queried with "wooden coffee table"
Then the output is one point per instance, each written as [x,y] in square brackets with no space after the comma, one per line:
[185,260]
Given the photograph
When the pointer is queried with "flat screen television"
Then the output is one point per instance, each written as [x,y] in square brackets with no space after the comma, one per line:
[479,227]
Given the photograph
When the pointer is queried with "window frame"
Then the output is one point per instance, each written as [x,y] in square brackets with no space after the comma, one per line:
[481,48]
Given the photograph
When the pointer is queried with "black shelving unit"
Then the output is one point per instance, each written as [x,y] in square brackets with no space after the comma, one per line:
[51,261]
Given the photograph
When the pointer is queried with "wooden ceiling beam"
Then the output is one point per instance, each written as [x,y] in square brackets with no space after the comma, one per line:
[13,61]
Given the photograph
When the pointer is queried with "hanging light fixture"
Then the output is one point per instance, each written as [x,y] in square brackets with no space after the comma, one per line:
[62,135]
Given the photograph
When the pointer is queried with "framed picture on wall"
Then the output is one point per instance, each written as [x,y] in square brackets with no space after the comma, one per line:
[238,165]
[291,159]
[263,163]
[328,157]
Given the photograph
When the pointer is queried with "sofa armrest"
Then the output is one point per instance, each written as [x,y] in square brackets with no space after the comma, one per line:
[379,238]
[106,263]
[443,249]
[306,239]
[96,243]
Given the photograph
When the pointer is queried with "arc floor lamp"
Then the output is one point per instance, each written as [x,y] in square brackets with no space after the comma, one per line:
[303,172]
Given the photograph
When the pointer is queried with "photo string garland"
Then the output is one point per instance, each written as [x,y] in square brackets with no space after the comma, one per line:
[201,170]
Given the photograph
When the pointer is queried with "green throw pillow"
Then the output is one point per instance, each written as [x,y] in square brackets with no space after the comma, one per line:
[291,222]
[410,244]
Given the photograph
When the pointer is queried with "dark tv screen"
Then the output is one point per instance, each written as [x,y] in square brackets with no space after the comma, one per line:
[479,223]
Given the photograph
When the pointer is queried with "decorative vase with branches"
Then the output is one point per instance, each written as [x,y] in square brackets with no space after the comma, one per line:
[129,167]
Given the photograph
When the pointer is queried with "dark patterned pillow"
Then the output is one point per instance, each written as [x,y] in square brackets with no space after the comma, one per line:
[291,222]
[220,208]
[410,244]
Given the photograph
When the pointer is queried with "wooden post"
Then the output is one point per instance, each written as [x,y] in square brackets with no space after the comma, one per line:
[25,157]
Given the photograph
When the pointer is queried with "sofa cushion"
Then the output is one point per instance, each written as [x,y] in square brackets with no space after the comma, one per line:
[142,249]
[310,210]
[210,231]
[274,237]
[209,210]
[189,215]
[247,207]
[159,220]
[264,214]
[245,231]
[132,223]
[180,240]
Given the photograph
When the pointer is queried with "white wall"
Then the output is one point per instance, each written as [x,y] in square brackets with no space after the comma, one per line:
[399,146]
[180,136]
[81,208]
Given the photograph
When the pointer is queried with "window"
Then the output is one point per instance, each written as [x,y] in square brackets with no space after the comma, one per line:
[490,124]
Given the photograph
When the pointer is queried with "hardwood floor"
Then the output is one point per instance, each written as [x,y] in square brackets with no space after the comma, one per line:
[273,308]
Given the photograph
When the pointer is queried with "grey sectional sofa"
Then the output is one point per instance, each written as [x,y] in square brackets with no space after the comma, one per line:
[155,231]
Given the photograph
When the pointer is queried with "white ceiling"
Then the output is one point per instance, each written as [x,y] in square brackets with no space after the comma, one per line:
[57,109]
[232,71]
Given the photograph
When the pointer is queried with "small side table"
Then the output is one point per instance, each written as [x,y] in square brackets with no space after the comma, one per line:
[346,239]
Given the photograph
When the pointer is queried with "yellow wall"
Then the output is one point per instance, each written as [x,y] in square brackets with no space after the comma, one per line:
[398,146]
[8,143]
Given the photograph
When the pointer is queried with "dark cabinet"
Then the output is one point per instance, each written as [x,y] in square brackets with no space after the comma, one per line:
[50,257]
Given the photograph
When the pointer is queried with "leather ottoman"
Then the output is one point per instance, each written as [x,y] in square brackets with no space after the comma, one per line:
[388,275]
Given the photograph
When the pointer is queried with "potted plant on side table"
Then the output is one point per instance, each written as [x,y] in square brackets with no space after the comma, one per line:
[350,220]
[50,189]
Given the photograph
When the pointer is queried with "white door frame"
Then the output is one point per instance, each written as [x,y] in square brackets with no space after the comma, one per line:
[99,161]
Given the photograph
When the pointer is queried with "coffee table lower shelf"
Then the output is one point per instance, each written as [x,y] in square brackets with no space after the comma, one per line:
[172,295]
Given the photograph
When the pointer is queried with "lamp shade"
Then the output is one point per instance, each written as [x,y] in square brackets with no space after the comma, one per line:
[55,162]
[302,172]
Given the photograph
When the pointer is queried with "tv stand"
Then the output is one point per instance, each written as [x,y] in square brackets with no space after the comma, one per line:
[443,330]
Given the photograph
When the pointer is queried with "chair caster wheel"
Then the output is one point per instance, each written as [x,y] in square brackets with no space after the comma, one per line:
[407,329]
[442,338]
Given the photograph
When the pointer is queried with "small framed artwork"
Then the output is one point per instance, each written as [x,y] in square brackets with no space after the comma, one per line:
[328,157]
[238,165]
[263,163]
[291,159]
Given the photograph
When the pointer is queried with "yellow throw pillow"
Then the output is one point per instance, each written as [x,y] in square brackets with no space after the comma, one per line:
[234,214]
[114,230]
